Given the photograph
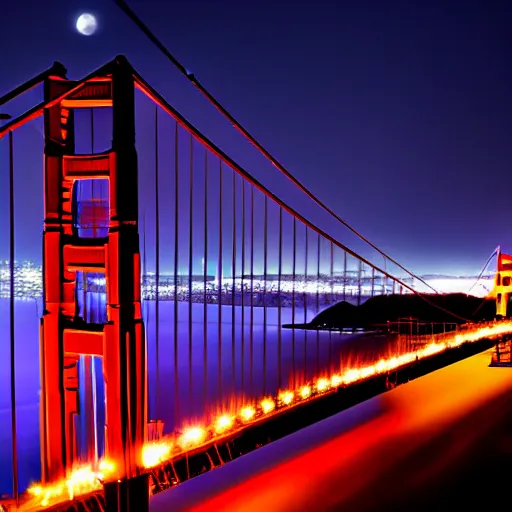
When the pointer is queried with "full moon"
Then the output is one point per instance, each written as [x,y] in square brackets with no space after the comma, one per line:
[86,24]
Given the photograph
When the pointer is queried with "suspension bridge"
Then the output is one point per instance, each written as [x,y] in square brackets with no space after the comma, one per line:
[167,278]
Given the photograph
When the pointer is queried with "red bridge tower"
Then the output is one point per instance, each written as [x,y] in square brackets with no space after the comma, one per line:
[120,342]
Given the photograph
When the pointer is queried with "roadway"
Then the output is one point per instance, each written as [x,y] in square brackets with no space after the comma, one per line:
[442,440]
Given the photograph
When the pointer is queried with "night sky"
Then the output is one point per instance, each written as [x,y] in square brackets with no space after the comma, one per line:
[396,114]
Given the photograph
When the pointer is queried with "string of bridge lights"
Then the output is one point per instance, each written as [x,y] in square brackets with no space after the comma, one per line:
[86,479]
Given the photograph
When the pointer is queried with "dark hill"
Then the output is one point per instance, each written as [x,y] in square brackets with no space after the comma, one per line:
[425,308]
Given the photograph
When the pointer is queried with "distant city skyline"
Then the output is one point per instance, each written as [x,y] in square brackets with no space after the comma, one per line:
[28,283]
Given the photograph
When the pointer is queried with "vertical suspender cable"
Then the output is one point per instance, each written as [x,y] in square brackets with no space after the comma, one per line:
[344,275]
[205,278]
[279,272]
[11,322]
[144,262]
[318,302]
[190,269]
[233,286]
[332,270]
[265,262]
[145,304]
[306,303]
[219,288]
[359,275]
[331,299]
[242,285]
[176,261]
[251,332]
[157,270]
[92,141]
[92,151]
[294,272]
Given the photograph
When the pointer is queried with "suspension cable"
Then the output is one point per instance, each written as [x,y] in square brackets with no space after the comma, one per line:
[484,299]
[152,37]
[484,268]
[57,69]
[157,265]
[12,326]
[144,87]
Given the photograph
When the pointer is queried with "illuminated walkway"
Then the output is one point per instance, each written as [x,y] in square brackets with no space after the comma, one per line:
[406,449]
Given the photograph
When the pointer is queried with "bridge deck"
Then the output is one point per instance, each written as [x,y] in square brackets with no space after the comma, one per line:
[417,445]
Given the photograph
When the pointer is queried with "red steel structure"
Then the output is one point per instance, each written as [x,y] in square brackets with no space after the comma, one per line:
[64,335]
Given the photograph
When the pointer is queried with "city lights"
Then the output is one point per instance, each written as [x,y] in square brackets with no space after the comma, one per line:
[28,285]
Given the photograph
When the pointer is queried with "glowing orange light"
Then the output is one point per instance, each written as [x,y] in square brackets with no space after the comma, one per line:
[247,413]
[322,384]
[106,466]
[36,490]
[380,366]
[286,397]
[305,392]
[336,381]
[81,480]
[267,405]
[368,372]
[224,423]
[154,454]
[192,436]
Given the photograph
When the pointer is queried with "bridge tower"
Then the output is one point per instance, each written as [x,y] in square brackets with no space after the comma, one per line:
[65,336]
[502,292]
[503,284]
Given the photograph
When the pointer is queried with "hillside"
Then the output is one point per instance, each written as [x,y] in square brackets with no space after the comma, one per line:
[384,308]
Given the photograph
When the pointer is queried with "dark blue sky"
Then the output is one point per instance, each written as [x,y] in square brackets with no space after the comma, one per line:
[397,114]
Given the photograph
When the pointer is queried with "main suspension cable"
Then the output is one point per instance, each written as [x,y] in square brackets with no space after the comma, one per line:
[191,77]
[484,268]
[143,86]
